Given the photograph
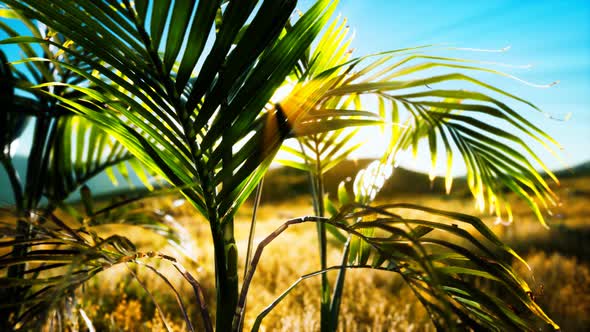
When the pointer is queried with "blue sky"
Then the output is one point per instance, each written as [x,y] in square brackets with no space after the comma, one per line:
[552,36]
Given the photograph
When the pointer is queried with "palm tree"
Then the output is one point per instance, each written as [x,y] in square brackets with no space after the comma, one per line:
[432,111]
[66,152]
[186,128]
[185,87]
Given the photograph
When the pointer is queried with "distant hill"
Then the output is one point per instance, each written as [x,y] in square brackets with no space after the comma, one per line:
[576,171]
[284,182]
[281,183]
[402,182]
[101,184]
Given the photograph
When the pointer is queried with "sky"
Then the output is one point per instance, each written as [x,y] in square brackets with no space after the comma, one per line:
[551,36]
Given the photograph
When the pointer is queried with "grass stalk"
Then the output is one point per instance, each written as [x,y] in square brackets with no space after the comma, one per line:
[323,243]
[251,233]
[339,287]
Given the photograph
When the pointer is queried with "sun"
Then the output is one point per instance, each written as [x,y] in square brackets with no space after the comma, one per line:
[282,92]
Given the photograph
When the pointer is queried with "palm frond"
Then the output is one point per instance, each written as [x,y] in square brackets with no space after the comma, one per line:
[439,258]
[61,258]
[318,72]
[480,125]
[489,135]
[76,150]
[187,122]
[81,151]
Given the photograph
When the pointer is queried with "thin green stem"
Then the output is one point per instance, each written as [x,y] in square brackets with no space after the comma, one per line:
[270,307]
[339,287]
[34,182]
[323,243]
[310,178]
[253,226]
[258,254]
[317,190]
[250,245]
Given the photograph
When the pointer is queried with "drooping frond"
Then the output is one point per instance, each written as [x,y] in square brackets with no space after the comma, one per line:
[444,257]
[74,150]
[62,257]
[80,151]
[316,73]
[413,93]
[194,114]
[491,137]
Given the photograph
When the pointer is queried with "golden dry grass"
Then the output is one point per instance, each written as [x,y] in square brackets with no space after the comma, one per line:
[373,300]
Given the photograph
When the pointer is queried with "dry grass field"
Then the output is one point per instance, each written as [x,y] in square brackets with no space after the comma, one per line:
[373,301]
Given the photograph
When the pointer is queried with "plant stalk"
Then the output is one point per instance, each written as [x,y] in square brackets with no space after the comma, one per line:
[323,245]
[226,275]
[339,287]
[242,309]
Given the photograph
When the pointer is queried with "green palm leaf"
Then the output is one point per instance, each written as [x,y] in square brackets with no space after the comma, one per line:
[61,258]
[187,135]
[81,151]
[77,150]
[199,125]
[442,262]
[443,116]
[495,158]
[199,116]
